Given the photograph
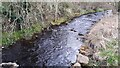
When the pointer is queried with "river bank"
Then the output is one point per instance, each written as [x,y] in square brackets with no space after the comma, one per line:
[21,23]
[101,43]
[57,46]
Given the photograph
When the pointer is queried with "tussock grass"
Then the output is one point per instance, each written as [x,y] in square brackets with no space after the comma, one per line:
[111,53]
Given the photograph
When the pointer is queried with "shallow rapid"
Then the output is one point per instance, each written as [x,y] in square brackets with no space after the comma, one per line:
[57,46]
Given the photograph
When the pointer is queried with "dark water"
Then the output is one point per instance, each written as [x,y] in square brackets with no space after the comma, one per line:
[57,46]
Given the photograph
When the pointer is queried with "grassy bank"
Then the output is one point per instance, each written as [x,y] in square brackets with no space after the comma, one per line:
[19,19]
[104,41]
[108,56]
[111,53]
[10,37]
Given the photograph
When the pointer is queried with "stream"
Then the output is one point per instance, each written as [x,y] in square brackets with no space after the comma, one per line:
[57,46]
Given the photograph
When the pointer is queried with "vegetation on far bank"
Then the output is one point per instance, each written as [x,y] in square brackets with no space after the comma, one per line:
[23,19]
[10,37]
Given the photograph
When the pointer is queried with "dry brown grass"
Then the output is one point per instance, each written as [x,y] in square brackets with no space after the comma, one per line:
[101,36]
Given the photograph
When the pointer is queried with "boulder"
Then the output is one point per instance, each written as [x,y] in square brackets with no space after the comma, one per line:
[82,59]
[76,65]
[86,50]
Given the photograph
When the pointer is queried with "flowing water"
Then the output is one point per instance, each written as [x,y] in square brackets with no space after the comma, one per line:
[57,46]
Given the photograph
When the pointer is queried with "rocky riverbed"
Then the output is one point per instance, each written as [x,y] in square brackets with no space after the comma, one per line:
[57,46]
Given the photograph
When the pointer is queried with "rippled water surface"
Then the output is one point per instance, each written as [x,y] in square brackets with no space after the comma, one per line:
[57,46]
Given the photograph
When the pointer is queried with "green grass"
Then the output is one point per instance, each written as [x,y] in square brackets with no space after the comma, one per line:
[111,52]
[59,21]
[82,11]
[99,9]
[9,38]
